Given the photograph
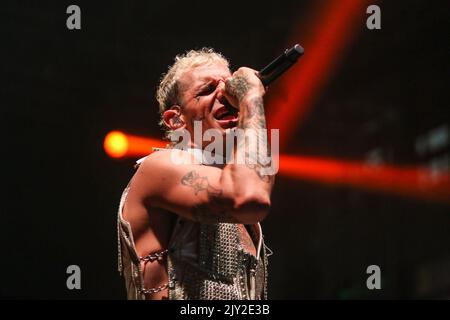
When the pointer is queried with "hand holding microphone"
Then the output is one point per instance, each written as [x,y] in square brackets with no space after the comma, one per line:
[238,86]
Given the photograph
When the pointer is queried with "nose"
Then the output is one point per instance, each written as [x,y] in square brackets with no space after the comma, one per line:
[220,89]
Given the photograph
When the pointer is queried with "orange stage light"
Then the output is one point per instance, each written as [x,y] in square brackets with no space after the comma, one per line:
[118,145]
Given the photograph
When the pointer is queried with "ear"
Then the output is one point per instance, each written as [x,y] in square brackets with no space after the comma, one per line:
[173,119]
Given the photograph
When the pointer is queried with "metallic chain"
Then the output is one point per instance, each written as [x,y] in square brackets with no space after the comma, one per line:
[154,256]
[155,290]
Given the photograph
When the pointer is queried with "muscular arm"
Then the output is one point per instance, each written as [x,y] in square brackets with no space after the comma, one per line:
[238,193]
[253,122]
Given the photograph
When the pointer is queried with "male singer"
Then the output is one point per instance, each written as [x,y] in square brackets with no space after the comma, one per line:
[190,230]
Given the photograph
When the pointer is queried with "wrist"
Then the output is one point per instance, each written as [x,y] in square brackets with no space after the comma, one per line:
[250,98]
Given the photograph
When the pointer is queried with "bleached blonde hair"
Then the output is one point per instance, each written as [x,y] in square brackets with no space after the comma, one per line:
[169,87]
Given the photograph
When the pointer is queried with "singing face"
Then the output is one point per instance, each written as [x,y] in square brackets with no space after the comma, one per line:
[202,99]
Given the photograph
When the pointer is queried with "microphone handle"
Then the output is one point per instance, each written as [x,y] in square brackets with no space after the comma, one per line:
[278,66]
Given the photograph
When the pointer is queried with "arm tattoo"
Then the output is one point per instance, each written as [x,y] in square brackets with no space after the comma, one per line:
[217,211]
[255,119]
[193,180]
[256,167]
[237,86]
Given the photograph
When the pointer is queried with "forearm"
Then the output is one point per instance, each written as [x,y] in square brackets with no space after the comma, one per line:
[251,156]
[252,122]
[252,152]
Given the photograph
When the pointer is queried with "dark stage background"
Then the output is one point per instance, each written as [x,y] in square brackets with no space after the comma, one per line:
[64,90]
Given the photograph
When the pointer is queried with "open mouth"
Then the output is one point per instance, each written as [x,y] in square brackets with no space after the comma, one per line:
[225,115]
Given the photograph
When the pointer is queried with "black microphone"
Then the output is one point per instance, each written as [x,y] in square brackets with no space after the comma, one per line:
[278,66]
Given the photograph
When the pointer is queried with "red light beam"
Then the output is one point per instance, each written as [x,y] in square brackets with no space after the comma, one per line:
[405,181]
[413,182]
[333,27]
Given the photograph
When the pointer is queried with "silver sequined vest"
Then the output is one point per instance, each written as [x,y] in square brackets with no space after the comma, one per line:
[205,261]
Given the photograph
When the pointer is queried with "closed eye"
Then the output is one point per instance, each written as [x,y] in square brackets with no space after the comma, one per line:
[207,90]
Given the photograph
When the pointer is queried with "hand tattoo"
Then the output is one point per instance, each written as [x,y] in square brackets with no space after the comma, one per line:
[237,86]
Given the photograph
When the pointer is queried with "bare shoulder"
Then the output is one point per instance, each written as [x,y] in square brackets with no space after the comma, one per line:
[160,172]
[167,159]
[163,166]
